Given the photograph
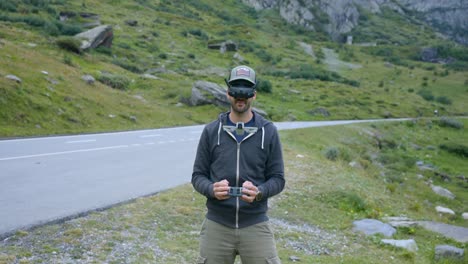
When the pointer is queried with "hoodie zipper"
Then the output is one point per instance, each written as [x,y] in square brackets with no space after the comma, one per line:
[238,172]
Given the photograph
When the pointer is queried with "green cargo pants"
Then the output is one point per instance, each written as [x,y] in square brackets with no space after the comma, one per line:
[220,244]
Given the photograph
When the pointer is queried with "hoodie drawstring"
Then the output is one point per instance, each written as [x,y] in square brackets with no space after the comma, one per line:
[263,136]
[219,132]
[221,126]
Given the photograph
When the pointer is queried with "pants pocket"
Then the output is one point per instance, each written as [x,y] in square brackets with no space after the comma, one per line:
[274,260]
[201,260]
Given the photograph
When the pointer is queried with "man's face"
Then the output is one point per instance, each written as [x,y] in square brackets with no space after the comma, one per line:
[241,105]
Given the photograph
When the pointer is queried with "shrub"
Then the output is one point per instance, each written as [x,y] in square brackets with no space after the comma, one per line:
[308,72]
[67,60]
[68,30]
[332,153]
[426,95]
[115,81]
[104,50]
[457,66]
[198,33]
[70,44]
[447,122]
[8,5]
[263,55]
[346,201]
[129,66]
[51,29]
[264,86]
[457,149]
[444,100]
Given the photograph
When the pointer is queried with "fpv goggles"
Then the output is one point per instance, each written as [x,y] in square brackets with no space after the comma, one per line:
[241,91]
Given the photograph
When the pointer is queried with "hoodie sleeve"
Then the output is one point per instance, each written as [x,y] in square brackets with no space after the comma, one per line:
[274,173]
[201,168]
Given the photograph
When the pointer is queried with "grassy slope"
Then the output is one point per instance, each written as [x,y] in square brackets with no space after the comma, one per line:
[37,107]
[320,195]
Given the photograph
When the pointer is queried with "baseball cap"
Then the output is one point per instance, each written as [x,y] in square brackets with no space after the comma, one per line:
[242,73]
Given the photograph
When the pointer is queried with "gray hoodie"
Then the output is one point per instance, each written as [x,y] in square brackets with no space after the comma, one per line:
[258,158]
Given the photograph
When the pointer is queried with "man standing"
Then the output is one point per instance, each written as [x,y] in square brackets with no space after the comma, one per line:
[238,166]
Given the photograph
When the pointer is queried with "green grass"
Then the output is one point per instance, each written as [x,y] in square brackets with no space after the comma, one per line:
[174,36]
[312,217]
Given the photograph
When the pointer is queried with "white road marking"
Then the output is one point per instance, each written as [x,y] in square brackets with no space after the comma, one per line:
[80,141]
[148,136]
[62,152]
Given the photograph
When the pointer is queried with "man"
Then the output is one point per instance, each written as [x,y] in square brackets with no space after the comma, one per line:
[238,166]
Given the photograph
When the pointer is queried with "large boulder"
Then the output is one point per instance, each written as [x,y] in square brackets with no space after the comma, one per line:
[204,92]
[372,227]
[443,192]
[98,36]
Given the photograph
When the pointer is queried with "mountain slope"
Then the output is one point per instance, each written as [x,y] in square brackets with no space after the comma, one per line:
[169,40]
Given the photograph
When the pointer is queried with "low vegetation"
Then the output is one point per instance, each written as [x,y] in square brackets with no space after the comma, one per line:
[312,217]
[168,41]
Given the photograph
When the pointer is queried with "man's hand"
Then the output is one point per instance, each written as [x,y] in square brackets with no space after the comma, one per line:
[221,190]
[250,191]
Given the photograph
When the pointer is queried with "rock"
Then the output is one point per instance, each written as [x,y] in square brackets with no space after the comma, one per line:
[204,92]
[443,210]
[408,244]
[208,93]
[294,259]
[447,251]
[443,192]
[228,46]
[89,79]
[13,78]
[456,233]
[308,49]
[238,57]
[224,46]
[400,221]
[150,76]
[372,227]
[429,54]
[131,22]
[319,111]
[448,17]
[98,36]
[465,216]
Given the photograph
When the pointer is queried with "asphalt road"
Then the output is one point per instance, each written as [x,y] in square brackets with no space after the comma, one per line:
[49,179]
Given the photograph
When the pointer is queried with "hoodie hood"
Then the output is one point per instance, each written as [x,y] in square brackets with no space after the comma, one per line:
[260,123]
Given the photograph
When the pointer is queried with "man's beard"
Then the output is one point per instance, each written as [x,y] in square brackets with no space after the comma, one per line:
[240,109]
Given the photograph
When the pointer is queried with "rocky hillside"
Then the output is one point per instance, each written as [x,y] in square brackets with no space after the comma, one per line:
[71,66]
[447,17]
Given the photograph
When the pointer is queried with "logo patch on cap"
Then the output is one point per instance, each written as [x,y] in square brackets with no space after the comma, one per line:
[243,72]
